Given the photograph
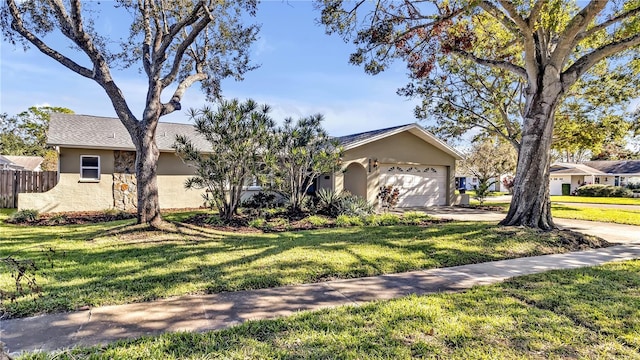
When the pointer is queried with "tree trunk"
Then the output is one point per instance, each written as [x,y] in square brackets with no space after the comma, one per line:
[530,204]
[147,154]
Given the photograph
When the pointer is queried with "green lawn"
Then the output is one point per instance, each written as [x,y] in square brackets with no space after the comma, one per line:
[618,216]
[95,265]
[588,313]
[596,200]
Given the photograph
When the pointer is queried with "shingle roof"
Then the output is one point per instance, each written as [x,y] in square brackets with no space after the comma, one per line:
[616,166]
[8,164]
[354,138]
[26,162]
[600,167]
[573,169]
[96,132]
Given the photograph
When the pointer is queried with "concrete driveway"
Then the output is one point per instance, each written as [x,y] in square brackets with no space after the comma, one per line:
[617,233]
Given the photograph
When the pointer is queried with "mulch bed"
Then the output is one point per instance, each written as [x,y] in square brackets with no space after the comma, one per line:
[292,222]
[75,218]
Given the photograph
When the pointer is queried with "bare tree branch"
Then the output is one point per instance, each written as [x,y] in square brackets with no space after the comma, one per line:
[184,45]
[607,23]
[174,103]
[18,26]
[505,65]
[582,65]
[577,25]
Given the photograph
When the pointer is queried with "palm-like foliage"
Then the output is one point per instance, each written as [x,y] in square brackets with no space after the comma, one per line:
[241,138]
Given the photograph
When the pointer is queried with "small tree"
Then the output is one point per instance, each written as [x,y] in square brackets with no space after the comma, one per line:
[241,137]
[305,151]
[488,161]
[482,191]
[26,134]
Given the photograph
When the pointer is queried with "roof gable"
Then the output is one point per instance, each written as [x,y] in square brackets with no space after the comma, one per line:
[96,132]
[359,139]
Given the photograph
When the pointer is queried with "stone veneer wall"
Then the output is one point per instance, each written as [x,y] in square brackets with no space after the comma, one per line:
[125,192]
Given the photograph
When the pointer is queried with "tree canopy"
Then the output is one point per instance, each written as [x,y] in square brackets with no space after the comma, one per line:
[176,44]
[26,134]
[488,160]
[548,44]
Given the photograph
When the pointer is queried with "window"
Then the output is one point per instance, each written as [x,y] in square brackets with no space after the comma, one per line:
[597,180]
[89,167]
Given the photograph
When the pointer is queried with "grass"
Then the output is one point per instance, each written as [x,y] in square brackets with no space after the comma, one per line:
[472,193]
[588,313]
[111,263]
[6,213]
[617,216]
[596,200]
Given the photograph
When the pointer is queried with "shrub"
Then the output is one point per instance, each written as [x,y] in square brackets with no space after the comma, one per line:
[372,220]
[620,191]
[258,223]
[316,220]
[600,190]
[327,201]
[388,219]
[509,183]
[279,222]
[261,200]
[57,219]
[214,220]
[347,220]
[633,186]
[388,196]
[353,205]
[23,216]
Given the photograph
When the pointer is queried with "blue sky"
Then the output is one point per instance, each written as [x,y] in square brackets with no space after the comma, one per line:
[303,71]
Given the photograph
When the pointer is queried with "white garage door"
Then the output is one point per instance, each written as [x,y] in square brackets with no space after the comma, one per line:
[422,185]
[555,184]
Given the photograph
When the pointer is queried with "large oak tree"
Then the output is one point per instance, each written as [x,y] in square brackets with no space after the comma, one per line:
[175,43]
[555,42]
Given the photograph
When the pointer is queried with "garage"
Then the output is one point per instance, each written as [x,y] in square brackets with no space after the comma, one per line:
[419,185]
[555,184]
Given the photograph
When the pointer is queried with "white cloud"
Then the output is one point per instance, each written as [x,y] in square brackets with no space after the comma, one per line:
[262,46]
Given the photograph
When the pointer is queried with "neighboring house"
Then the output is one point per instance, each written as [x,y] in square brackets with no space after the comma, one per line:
[471,182]
[97,166]
[28,163]
[6,164]
[564,178]
[408,157]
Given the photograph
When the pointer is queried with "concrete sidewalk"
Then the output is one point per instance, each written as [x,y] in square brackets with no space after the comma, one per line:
[105,324]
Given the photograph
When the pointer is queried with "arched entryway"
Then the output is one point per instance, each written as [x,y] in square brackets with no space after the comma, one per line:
[355,180]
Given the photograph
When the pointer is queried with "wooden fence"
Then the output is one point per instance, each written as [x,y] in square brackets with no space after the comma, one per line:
[13,182]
